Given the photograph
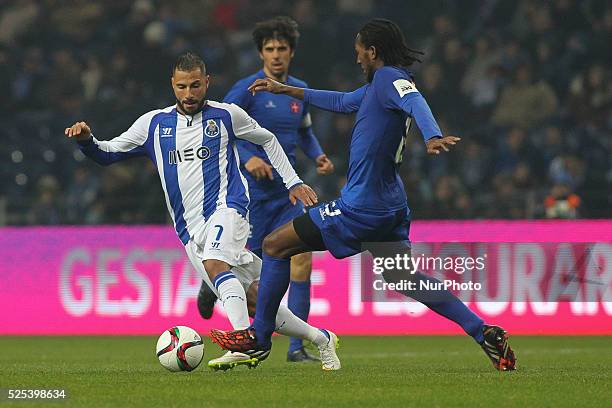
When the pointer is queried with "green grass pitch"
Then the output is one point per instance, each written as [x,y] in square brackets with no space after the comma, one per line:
[377,372]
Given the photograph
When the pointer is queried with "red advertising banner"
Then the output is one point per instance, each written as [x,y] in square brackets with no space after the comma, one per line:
[138,280]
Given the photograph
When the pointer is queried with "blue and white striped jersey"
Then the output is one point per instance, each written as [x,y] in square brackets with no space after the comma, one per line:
[196,158]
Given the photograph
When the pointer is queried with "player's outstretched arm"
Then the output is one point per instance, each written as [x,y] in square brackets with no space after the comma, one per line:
[80,131]
[340,102]
[247,128]
[270,85]
[129,144]
[439,144]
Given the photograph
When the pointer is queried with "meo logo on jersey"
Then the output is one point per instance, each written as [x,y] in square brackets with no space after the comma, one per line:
[178,156]
[212,129]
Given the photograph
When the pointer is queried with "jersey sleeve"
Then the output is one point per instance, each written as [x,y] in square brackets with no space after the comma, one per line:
[248,129]
[130,143]
[342,102]
[240,96]
[397,92]
[246,150]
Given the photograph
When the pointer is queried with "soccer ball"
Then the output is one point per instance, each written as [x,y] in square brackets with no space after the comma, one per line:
[180,348]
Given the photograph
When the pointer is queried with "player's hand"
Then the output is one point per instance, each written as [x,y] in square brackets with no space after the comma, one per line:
[259,168]
[303,193]
[80,131]
[436,145]
[324,165]
[266,85]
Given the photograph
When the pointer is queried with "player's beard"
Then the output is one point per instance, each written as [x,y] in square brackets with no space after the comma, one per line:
[193,111]
[368,72]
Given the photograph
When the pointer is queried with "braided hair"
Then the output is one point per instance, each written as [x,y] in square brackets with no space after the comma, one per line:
[388,40]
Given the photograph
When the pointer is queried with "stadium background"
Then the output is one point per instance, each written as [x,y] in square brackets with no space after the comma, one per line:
[526,85]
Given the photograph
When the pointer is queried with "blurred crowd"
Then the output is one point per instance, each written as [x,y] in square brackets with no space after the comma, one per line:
[526,85]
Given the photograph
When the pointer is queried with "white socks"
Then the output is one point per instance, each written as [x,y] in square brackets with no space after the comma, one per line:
[233,297]
[290,325]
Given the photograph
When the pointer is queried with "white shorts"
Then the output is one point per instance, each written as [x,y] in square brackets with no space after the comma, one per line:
[224,239]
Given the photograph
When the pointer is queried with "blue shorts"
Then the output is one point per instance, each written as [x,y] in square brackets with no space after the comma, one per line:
[345,229]
[267,215]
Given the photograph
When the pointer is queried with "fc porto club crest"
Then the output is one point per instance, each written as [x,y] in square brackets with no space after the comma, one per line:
[212,129]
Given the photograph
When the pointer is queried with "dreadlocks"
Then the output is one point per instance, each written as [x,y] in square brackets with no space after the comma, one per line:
[388,40]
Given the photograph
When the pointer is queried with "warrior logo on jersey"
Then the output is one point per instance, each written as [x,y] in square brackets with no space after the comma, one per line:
[294,106]
[212,128]
[165,132]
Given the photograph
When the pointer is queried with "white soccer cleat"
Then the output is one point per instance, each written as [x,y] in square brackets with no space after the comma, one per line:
[231,359]
[329,358]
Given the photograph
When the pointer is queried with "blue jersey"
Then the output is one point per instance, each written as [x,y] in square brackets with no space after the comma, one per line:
[385,109]
[288,118]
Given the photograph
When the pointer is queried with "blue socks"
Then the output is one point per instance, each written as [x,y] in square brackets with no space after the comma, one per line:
[448,305]
[299,304]
[274,281]
[273,284]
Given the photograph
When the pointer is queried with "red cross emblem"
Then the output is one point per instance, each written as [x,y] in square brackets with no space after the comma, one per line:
[295,107]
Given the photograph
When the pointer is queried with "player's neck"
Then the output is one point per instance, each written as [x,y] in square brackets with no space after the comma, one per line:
[182,112]
[280,78]
[378,64]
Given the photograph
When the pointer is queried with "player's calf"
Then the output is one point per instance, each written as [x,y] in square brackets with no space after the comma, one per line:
[206,301]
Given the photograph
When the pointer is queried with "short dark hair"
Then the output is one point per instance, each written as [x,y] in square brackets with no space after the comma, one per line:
[277,28]
[189,62]
[388,40]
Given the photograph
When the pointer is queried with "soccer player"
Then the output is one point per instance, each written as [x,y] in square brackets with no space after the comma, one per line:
[288,118]
[193,146]
[372,206]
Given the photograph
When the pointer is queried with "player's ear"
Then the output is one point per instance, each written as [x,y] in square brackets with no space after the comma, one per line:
[372,51]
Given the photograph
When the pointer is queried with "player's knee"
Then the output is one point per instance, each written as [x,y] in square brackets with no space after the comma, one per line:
[272,246]
[214,267]
[301,267]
